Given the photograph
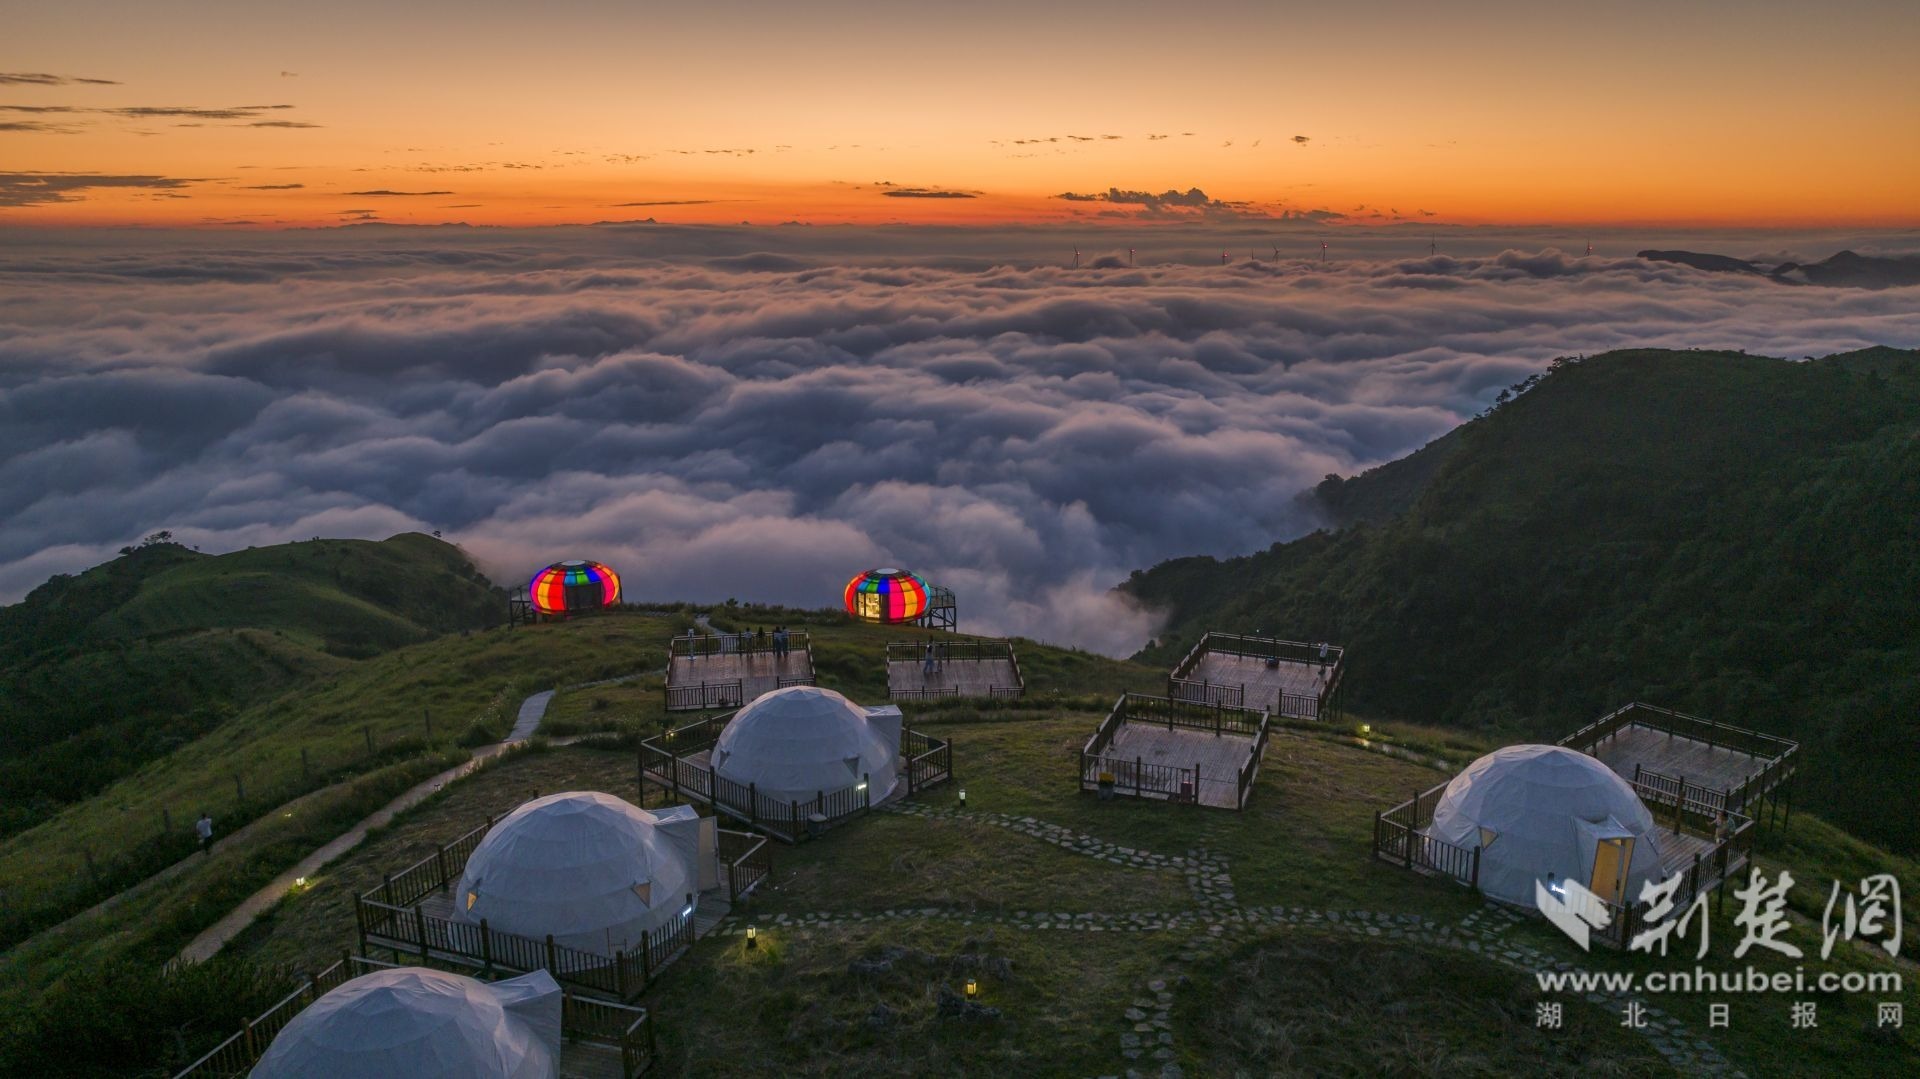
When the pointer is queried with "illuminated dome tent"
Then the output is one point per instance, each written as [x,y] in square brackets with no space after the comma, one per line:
[423,1024]
[887,595]
[567,587]
[1539,810]
[593,870]
[802,741]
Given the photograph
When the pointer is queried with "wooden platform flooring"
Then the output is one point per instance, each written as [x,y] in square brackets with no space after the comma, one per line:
[974,677]
[584,1060]
[1712,767]
[1218,756]
[1264,684]
[757,672]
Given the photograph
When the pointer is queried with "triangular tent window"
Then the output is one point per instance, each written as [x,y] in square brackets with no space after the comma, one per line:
[1487,836]
[472,897]
[853,766]
[644,890]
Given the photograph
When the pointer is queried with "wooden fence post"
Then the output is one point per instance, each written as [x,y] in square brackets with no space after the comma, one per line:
[646,959]
[552,964]
[1139,768]
[440,857]
[486,948]
[420,924]
[1476,869]
[753,803]
[620,972]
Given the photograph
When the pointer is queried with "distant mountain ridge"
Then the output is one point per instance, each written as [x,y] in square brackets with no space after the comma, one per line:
[1846,269]
[1721,533]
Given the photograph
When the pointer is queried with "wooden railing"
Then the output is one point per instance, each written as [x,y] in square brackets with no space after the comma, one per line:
[1732,852]
[935,693]
[628,1029]
[748,860]
[929,760]
[1397,837]
[1212,694]
[621,1026]
[723,644]
[1190,715]
[973,649]
[664,760]
[1099,766]
[1140,779]
[978,649]
[731,693]
[1181,685]
[1250,771]
[1781,755]
[1235,644]
[391,912]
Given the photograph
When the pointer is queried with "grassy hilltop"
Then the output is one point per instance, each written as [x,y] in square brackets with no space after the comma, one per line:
[1724,534]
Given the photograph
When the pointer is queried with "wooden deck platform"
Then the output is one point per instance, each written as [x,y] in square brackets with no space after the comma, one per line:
[757,672]
[1264,685]
[1219,757]
[907,679]
[1678,848]
[1637,749]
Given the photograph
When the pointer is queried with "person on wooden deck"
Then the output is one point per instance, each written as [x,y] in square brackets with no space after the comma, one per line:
[203,828]
[1323,655]
[926,661]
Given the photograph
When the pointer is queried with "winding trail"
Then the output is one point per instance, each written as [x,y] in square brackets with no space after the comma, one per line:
[526,723]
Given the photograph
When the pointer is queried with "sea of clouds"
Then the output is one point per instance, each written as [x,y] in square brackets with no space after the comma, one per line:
[759,413]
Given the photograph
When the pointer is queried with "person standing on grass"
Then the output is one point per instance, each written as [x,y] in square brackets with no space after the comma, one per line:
[203,828]
[926,659]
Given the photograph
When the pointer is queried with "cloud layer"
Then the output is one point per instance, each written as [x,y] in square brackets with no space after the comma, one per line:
[761,413]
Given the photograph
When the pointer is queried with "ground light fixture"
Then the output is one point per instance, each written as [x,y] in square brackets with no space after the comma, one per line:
[753,938]
[973,989]
[963,797]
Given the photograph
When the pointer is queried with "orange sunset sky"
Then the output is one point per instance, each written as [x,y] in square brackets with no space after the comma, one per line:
[1695,112]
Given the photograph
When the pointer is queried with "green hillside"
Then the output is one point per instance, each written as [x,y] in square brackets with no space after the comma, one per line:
[1726,534]
[104,670]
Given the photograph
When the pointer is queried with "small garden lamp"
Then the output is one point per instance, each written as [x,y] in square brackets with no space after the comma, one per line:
[753,938]
[973,989]
[963,797]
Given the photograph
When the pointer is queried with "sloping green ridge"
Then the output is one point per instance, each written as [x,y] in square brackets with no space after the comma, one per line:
[1726,534]
[106,669]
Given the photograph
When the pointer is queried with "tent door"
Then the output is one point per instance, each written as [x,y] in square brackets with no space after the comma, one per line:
[1610,860]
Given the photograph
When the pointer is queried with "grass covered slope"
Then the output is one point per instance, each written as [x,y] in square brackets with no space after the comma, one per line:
[1724,534]
[107,669]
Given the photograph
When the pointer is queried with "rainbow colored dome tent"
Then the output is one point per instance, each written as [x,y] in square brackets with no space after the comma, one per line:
[566,587]
[887,595]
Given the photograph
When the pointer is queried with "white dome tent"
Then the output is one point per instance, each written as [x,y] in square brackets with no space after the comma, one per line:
[794,744]
[423,1024]
[1541,813]
[590,869]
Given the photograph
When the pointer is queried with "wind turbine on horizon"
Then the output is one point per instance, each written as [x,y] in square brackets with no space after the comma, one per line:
[1323,250]
[1076,258]
[1129,257]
